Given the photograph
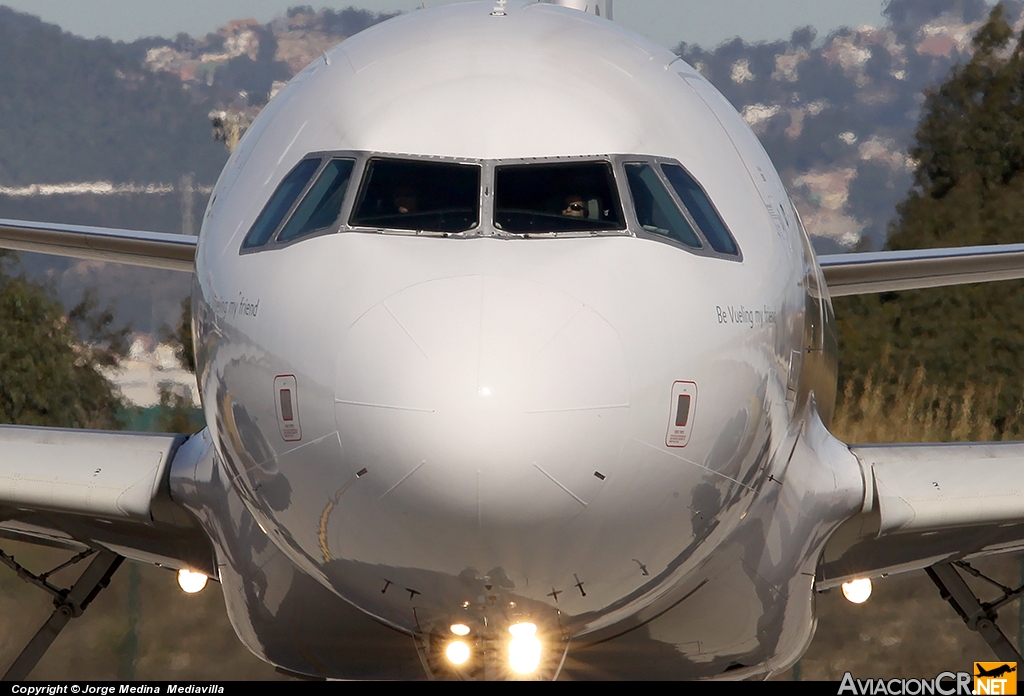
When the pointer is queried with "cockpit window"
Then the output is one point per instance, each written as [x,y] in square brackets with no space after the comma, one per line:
[280,203]
[418,195]
[563,197]
[701,209]
[322,205]
[655,210]
[643,195]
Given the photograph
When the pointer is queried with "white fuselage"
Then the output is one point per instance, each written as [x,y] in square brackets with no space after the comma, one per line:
[485,424]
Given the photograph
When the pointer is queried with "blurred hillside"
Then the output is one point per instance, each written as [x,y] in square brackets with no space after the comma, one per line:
[111,134]
[837,113]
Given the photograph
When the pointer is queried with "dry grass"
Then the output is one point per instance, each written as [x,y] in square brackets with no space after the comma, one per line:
[887,406]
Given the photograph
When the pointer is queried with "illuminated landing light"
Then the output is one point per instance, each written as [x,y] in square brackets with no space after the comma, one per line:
[191,582]
[457,652]
[857,591]
[460,629]
[524,650]
[523,630]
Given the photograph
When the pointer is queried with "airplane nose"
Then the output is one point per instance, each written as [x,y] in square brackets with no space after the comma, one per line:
[485,409]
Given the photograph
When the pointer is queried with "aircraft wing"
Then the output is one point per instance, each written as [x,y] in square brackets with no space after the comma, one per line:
[79,489]
[845,274]
[928,504]
[103,490]
[887,271]
[174,252]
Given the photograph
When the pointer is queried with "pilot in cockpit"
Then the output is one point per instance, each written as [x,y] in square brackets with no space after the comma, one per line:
[574,206]
[405,201]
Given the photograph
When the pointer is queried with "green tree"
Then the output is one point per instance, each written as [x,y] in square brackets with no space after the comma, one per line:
[50,361]
[968,190]
[972,131]
[177,414]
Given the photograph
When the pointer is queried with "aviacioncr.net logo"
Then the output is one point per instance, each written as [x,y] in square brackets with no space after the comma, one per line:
[995,678]
[944,684]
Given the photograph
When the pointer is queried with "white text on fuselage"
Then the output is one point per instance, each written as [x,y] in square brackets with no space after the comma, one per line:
[750,318]
[240,307]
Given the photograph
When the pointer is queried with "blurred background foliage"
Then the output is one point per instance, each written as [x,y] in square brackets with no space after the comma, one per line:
[958,349]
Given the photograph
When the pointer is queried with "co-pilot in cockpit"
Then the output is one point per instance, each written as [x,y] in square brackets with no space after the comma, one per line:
[574,206]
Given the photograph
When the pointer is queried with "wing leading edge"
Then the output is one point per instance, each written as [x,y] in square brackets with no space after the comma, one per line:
[845,274]
[888,271]
[175,252]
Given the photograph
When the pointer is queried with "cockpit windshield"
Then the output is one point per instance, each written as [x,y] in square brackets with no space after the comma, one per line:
[645,196]
[418,195]
[563,197]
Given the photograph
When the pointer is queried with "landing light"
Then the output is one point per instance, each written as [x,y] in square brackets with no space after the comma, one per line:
[857,591]
[457,652]
[460,629]
[524,650]
[191,582]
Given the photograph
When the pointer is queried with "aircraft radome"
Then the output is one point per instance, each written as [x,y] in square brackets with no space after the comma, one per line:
[517,363]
